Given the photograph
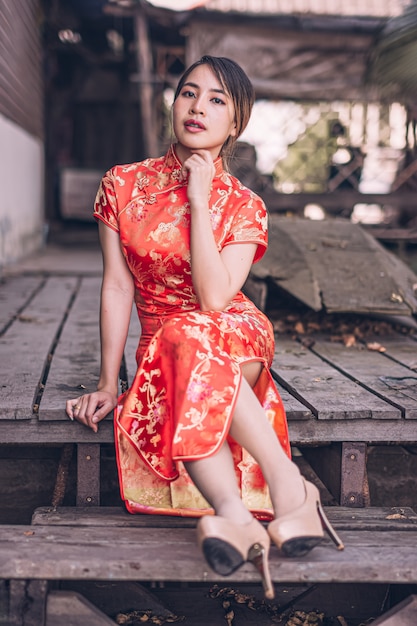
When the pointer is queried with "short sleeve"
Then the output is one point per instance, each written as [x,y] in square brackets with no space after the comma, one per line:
[250,224]
[105,205]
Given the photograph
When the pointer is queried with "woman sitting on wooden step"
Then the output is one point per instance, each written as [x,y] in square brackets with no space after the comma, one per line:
[202,426]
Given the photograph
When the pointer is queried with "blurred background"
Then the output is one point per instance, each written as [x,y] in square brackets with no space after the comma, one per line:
[86,84]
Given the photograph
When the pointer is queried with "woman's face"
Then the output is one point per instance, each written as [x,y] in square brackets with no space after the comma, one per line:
[203,114]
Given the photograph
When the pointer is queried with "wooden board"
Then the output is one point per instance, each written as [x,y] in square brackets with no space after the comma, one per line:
[56,432]
[402,349]
[302,432]
[68,608]
[314,382]
[294,409]
[100,553]
[402,614]
[15,294]
[26,347]
[337,266]
[374,371]
[76,361]
[372,431]
[308,64]
[342,518]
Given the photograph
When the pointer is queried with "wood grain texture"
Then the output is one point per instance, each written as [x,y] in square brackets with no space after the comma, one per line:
[26,347]
[374,371]
[321,387]
[15,293]
[346,518]
[45,552]
[336,266]
[33,431]
[402,349]
[76,361]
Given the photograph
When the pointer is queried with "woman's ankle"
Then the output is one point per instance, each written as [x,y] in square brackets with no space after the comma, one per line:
[288,495]
[236,512]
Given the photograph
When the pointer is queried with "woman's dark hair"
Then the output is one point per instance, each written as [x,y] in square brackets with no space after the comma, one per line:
[236,84]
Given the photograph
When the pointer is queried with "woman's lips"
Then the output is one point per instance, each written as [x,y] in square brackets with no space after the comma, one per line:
[194,126]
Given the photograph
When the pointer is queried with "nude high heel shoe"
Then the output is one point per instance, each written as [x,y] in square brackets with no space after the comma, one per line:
[226,546]
[296,533]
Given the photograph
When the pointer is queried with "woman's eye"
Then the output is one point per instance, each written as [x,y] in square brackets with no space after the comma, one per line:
[188,94]
[217,101]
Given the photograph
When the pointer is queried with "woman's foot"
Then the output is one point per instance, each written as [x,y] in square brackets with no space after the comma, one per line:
[297,532]
[227,546]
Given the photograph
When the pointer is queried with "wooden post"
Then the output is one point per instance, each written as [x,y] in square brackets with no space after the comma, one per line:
[144,62]
[88,474]
[342,469]
[27,602]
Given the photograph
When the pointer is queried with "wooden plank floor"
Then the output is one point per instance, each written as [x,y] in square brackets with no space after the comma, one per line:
[50,347]
[49,342]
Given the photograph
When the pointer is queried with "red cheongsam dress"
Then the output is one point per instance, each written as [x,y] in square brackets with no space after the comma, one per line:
[180,403]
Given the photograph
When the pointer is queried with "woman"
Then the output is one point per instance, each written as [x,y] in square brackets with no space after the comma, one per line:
[202,426]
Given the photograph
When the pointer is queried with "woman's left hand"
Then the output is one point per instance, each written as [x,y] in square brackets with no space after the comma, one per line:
[201,170]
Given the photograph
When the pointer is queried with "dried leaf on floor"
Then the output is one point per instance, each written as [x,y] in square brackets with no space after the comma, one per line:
[303,618]
[349,340]
[375,347]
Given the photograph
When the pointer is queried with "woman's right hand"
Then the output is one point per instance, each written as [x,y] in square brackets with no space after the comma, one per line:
[91,408]
[201,170]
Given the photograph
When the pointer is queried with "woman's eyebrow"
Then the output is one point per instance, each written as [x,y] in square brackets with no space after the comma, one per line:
[195,86]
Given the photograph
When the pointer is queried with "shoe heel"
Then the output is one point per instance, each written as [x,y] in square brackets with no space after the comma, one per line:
[227,546]
[299,531]
[329,528]
[258,556]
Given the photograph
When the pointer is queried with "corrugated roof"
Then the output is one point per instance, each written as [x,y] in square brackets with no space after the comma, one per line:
[370,8]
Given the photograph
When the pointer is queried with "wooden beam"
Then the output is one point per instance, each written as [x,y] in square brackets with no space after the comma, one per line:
[337,202]
[144,63]
[287,89]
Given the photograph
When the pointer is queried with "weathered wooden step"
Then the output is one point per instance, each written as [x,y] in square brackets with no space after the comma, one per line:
[342,518]
[161,554]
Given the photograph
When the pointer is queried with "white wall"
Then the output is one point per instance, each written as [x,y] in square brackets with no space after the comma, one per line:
[21,192]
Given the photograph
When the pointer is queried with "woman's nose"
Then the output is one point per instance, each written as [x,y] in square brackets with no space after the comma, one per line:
[197,107]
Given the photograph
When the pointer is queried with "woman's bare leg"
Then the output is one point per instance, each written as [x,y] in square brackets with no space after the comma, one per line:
[251,429]
[215,476]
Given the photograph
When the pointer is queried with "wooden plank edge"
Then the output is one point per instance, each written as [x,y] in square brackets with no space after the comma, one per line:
[369,518]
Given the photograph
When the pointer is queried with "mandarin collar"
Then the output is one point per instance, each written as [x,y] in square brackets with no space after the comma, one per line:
[173,164]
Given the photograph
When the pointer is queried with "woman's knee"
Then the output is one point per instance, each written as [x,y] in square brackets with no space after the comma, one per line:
[251,371]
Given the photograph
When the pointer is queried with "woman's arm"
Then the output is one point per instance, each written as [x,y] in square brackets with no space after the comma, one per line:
[115,309]
[217,277]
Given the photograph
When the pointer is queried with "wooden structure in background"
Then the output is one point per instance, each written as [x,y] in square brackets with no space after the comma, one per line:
[336,266]
[297,58]
[115,109]
[298,51]
[21,86]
